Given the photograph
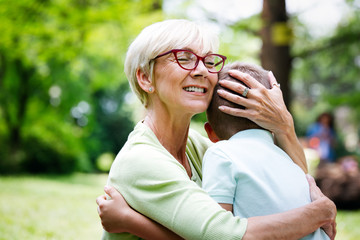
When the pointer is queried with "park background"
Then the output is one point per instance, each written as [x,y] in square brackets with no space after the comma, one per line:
[66,107]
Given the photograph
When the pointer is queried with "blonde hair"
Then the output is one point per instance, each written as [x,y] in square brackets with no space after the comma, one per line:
[161,37]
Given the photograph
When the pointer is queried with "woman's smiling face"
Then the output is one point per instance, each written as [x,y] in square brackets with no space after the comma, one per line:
[185,91]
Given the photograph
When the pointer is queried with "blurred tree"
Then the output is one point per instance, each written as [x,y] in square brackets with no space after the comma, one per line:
[55,57]
[276,37]
[327,69]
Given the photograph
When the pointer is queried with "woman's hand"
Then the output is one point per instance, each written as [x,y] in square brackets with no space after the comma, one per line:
[315,194]
[263,106]
[266,108]
[113,212]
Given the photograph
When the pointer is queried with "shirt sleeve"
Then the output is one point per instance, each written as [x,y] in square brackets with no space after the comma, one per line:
[219,180]
[157,185]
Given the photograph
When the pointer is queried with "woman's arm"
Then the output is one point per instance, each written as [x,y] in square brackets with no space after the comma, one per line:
[266,108]
[117,217]
[291,224]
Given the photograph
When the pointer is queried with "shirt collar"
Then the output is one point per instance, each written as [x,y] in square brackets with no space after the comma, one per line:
[259,134]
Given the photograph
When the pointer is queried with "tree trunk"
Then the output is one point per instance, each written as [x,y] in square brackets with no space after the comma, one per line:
[276,37]
[157,5]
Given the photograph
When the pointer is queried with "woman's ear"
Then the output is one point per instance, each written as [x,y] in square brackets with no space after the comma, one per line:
[210,132]
[144,81]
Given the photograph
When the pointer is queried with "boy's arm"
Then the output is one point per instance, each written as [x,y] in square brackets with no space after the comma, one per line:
[124,219]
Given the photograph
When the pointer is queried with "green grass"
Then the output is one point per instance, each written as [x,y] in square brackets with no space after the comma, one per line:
[63,207]
[52,207]
[348,223]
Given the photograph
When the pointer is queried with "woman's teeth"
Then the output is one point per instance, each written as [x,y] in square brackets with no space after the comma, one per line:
[194,89]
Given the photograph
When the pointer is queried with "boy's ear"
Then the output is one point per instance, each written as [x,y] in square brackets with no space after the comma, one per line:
[210,132]
[143,80]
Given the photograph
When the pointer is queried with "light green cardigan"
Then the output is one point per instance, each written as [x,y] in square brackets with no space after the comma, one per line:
[154,183]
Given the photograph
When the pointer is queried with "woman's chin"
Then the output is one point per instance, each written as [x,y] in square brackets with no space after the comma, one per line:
[199,109]
[195,107]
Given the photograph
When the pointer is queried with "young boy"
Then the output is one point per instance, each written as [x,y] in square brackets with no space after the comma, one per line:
[246,172]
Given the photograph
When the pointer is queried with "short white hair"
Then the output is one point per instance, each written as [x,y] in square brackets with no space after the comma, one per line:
[159,38]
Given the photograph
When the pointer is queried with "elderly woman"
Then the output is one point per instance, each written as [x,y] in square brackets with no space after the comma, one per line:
[172,67]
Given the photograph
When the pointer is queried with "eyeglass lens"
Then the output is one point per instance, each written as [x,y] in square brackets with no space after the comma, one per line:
[188,60]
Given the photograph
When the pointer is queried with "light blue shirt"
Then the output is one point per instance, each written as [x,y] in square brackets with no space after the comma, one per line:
[258,178]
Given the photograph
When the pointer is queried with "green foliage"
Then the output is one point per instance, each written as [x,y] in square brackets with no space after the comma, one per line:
[241,41]
[326,70]
[59,60]
[325,78]
[114,122]
[104,161]
[44,158]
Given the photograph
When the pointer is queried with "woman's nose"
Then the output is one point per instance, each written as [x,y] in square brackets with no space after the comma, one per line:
[200,69]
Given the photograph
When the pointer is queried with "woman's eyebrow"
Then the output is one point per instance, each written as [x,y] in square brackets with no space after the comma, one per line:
[192,50]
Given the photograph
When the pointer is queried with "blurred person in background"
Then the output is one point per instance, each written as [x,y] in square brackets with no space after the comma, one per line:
[322,137]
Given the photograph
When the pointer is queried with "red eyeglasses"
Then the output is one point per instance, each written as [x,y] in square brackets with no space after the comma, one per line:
[188,60]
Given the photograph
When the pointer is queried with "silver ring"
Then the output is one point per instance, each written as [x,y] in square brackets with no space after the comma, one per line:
[276,84]
[245,92]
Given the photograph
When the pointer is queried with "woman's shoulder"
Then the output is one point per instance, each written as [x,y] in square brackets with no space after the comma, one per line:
[196,147]
[143,141]
[198,140]
[197,143]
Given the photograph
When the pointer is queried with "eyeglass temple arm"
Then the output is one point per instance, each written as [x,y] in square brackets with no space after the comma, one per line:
[219,63]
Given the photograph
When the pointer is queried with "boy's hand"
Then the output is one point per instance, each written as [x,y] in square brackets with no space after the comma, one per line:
[114,211]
